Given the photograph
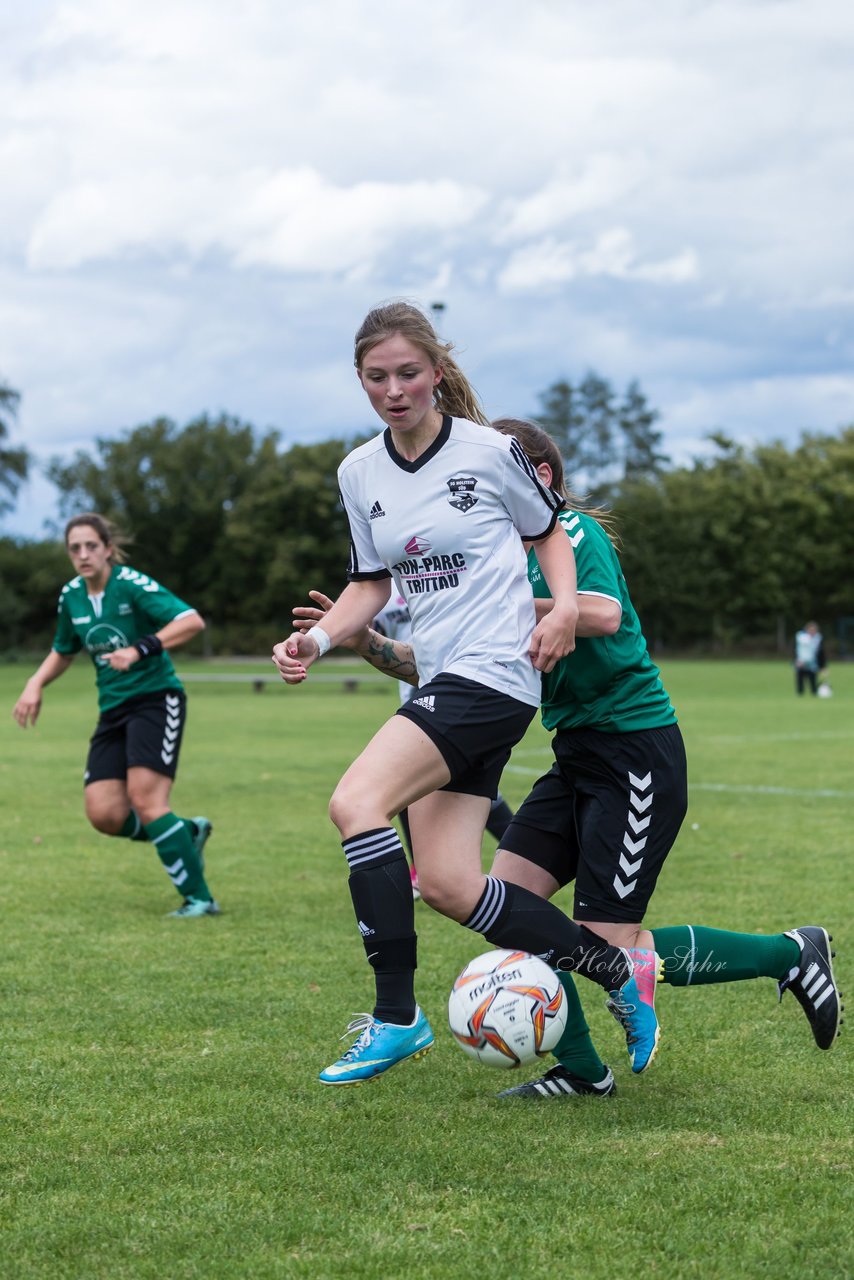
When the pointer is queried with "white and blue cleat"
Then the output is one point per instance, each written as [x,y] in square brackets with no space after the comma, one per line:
[379,1046]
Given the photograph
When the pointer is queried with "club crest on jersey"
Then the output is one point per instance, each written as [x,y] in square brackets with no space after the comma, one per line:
[418,546]
[462,492]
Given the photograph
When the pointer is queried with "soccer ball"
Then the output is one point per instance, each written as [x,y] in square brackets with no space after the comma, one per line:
[506,1008]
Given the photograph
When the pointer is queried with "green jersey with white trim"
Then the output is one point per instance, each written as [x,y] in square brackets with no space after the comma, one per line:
[132,605]
[608,683]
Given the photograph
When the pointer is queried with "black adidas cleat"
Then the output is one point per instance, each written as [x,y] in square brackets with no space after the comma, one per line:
[812,983]
[560,1083]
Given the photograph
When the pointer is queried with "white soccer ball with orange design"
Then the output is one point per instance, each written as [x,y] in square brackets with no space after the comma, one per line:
[507,1008]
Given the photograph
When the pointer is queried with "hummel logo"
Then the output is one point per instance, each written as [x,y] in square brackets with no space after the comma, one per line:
[377,511]
[364,930]
[428,703]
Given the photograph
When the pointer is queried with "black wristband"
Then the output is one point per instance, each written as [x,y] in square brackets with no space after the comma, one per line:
[149,646]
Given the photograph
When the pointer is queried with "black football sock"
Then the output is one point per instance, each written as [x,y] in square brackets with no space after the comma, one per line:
[382,899]
[509,916]
[500,817]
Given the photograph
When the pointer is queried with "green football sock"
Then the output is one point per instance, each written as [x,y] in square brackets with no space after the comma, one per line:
[171,839]
[133,828]
[695,956]
[575,1050]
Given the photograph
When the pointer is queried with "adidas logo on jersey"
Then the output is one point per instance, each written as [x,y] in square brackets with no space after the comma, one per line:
[364,930]
[377,511]
[428,703]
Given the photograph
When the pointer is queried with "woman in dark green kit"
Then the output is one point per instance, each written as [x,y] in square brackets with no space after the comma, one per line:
[127,623]
[608,812]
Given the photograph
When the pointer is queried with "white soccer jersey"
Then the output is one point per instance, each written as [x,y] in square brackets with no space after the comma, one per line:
[448,529]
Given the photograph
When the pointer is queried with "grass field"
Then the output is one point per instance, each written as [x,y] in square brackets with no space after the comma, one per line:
[160,1112]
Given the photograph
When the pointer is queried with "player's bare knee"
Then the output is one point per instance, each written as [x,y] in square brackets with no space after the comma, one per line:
[107,821]
[352,811]
[448,899]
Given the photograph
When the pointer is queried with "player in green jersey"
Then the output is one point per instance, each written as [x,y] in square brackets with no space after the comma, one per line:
[127,623]
[608,812]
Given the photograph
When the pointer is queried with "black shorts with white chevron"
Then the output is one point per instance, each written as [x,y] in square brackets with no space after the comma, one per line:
[606,815]
[143,732]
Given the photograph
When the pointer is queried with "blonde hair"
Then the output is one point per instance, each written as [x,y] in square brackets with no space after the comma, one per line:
[540,447]
[454,394]
[106,531]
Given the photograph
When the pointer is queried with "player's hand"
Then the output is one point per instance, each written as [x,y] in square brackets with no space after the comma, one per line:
[294,656]
[553,638]
[27,708]
[304,617]
[122,659]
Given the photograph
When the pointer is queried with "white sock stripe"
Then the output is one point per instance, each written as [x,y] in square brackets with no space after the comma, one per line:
[489,908]
[693,960]
[179,880]
[369,841]
[166,834]
[359,850]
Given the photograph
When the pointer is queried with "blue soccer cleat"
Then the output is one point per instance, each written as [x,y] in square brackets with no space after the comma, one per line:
[192,908]
[633,1005]
[379,1047]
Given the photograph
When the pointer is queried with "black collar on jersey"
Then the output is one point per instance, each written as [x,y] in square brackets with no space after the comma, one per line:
[423,458]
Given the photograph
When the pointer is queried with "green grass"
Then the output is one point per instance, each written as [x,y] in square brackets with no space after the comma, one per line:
[158,1098]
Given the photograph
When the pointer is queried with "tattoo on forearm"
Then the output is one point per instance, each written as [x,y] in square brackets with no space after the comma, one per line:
[392,656]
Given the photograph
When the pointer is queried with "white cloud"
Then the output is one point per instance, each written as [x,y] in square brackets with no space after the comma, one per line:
[550,263]
[201,200]
[292,220]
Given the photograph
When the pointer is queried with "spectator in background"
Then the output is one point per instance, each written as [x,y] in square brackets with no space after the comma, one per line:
[809,657]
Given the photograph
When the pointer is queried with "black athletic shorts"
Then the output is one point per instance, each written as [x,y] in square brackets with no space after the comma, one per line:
[474,727]
[606,815]
[143,732]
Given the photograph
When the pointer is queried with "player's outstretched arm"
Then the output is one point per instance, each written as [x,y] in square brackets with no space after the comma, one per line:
[394,658]
[358,603]
[26,709]
[597,615]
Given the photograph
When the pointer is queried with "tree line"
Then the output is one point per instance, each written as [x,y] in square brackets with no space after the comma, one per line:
[731,552]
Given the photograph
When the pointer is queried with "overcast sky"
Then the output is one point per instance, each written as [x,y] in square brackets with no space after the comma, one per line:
[201,200]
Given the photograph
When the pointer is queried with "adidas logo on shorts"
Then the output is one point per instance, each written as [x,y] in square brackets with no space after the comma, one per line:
[428,703]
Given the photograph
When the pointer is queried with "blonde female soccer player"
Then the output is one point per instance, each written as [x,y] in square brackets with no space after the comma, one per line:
[438,505]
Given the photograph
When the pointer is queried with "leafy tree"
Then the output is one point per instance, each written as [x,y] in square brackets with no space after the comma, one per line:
[31,575]
[172,490]
[232,524]
[742,546]
[641,440]
[603,440]
[14,463]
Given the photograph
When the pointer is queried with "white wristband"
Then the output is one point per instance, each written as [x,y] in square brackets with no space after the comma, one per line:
[321,639]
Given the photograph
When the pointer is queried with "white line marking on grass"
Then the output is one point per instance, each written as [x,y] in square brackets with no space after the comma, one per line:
[824,792]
